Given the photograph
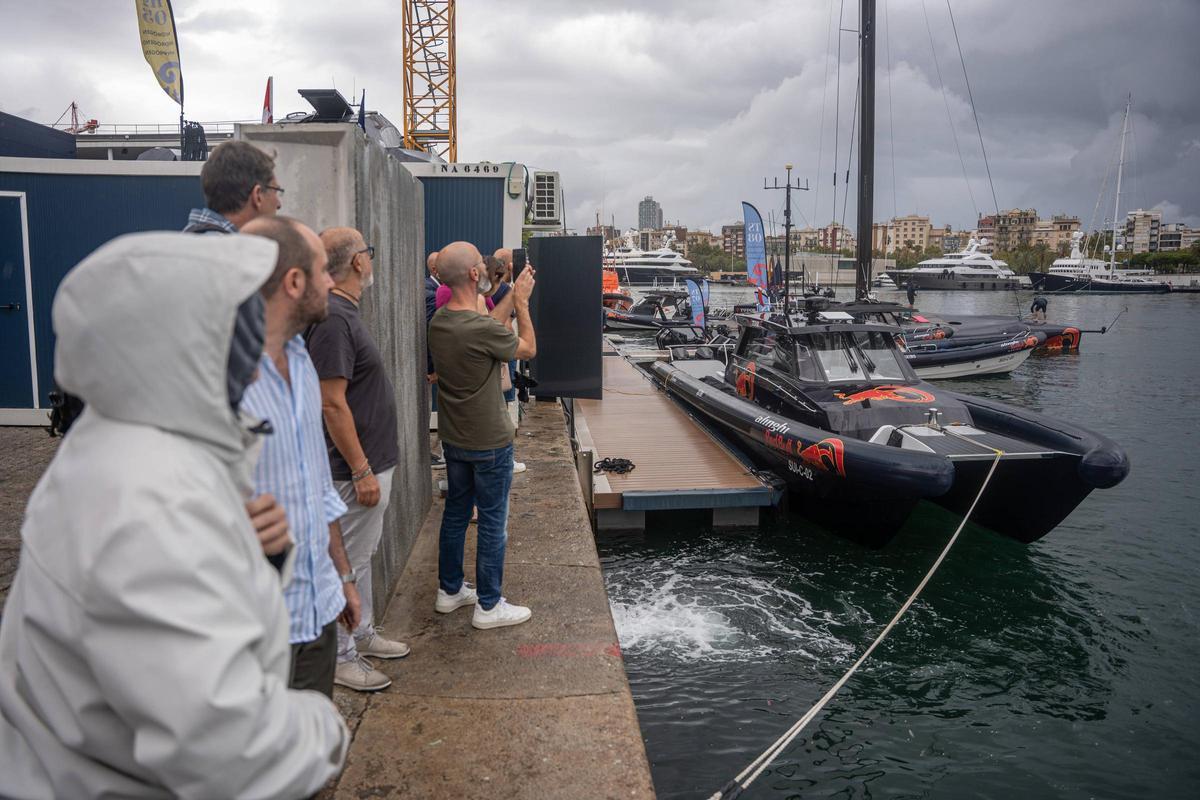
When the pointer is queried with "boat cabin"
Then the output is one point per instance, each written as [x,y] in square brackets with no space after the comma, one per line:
[827,370]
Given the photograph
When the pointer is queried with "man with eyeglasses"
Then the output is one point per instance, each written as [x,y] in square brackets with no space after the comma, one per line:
[238,181]
[361,435]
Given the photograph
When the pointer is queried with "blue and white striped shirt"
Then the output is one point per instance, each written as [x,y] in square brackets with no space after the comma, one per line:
[294,467]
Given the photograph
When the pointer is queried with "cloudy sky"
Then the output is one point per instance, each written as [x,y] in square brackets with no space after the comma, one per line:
[695,101]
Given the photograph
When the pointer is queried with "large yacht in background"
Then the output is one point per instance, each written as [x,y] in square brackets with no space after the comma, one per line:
[969,269]
[661,267]
[1077,273]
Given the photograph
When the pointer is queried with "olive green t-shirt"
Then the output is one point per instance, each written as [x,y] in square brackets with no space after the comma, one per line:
[469,349]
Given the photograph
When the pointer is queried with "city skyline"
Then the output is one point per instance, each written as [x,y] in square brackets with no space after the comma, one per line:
[698,125]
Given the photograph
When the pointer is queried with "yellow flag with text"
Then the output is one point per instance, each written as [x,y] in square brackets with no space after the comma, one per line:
[156,24]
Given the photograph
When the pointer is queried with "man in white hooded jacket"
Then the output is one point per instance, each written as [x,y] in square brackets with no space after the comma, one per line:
[144,644]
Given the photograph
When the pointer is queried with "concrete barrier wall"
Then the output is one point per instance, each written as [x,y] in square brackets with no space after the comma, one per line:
[333,176]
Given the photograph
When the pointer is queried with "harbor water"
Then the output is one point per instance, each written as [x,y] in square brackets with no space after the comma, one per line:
[1066,668]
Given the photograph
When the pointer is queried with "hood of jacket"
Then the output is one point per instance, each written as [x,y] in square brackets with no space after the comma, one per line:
[144,327]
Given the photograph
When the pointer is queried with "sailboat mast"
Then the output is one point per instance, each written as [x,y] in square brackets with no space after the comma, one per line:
[1112,253]
[866,145]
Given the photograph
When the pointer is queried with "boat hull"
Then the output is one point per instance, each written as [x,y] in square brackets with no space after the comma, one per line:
[1082,284]
[615,320]
[867,489]
[985,365]
[950,282]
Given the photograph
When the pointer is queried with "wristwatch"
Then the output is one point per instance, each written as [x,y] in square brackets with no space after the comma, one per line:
[348,577]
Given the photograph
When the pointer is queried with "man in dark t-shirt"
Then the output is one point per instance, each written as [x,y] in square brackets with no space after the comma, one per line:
[359,409]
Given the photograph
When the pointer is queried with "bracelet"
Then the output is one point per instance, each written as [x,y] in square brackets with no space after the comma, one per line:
[348,577]
[358,476]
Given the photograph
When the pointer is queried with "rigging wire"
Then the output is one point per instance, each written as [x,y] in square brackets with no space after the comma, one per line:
[1139,187]
[734,788]
[850,157]
[974,113]
[1090,242]
[887,41]
[949,116]
[837,108]
[821,126]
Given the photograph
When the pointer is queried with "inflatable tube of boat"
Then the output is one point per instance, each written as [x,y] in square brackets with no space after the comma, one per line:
[894,469]
[928,355]
[1103,463]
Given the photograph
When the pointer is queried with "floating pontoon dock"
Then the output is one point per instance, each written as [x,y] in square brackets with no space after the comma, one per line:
[678,463]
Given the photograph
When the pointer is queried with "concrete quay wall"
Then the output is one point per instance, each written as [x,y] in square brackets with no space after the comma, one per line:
[332,175]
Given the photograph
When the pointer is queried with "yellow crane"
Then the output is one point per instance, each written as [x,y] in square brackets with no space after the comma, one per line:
[430,115]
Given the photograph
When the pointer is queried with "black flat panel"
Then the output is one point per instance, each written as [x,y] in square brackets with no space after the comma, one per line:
[567,315]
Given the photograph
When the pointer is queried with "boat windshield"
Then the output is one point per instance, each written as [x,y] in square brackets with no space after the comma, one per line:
[853,355]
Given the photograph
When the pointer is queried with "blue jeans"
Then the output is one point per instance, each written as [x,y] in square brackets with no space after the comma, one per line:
[479,478]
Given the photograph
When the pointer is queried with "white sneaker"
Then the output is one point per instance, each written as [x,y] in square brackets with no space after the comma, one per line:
[501,615]
[518,467]
[360,676]
[449,602]
[375,645]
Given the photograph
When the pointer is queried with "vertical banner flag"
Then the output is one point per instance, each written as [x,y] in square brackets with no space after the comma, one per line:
[704,292]
[156,24]
[756,246]
[696,299]
[269,102]
[362,111]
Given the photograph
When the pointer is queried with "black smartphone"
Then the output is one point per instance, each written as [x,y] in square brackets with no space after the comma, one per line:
[518,262]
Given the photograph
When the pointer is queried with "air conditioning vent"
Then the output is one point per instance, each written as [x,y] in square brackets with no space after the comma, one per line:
[547,199]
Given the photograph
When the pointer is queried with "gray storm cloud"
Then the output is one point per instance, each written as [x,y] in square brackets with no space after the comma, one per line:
[694,101]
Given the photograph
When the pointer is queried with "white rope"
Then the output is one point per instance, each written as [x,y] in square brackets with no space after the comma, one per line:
[758,765]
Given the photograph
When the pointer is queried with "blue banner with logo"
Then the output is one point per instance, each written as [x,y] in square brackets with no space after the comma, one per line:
[696,298]
[756,246]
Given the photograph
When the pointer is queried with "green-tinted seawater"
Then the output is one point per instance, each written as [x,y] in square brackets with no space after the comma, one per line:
[1066,668]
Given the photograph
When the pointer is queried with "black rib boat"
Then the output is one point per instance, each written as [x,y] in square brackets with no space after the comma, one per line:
[835,410]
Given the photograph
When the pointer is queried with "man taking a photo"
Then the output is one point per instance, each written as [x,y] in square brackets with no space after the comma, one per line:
[469,350]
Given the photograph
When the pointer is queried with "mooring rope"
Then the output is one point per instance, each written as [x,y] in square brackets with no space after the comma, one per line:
[620,466]
[756,767]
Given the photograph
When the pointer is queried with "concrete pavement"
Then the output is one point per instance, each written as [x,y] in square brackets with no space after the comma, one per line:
[541,709]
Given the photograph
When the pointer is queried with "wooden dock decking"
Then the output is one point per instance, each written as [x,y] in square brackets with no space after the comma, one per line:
[679,465]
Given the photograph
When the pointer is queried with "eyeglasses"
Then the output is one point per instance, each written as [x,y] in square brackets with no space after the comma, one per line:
[369,250]
[273,188]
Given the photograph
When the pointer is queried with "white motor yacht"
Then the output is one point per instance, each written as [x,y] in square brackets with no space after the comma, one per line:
[969,269]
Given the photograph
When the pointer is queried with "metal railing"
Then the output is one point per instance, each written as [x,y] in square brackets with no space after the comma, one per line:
[166,129]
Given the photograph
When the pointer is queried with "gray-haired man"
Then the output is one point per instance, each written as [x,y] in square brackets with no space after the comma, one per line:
[359,408]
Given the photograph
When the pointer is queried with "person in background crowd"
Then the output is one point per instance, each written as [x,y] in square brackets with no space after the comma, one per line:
[469,350]
[360,434]
[294,465]
[238,181]
[431,286]
[505,257]
[143,647]
[1038,308]
[911,292]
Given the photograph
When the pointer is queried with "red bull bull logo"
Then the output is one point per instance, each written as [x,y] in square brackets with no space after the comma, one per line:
[745,381]
[894,394]
[825,455]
